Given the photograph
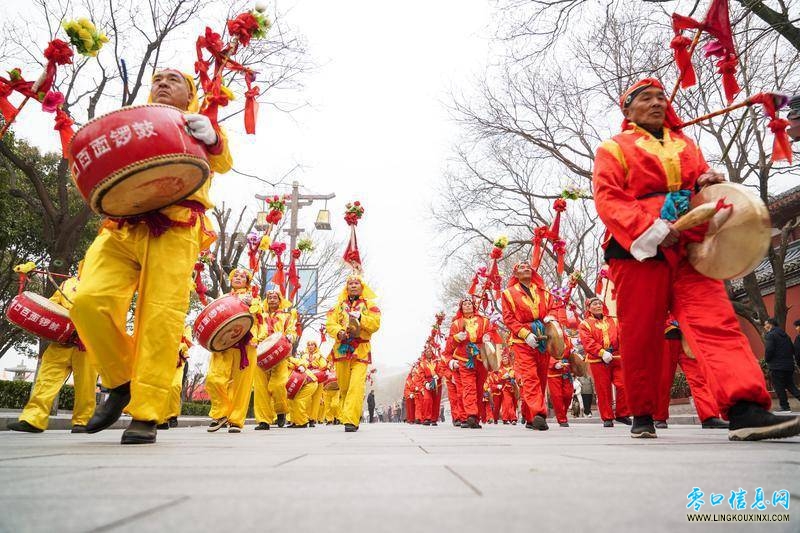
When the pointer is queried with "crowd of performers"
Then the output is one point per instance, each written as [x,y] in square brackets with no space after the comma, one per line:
[153,257]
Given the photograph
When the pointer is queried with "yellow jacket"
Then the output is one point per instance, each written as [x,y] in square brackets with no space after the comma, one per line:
[280,321]
[298,362]
[69,287]
[337,320]
[258,329]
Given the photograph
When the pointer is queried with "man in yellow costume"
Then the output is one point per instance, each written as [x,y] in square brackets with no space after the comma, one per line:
[300,406]
[152,255]
[230,373]
[270,403]
[174,409]
[58,360]
[352,323]
[316,361]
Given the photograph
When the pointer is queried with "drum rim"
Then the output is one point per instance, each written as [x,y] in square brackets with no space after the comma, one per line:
[218,330]
[102,187]
[45,298]
[117,111]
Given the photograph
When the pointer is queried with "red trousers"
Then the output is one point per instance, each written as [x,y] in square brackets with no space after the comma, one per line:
[561,391]
[496,401]
[454,394]
[427,405]
[410,410]
[530,368]
[704,400]
[605,375]
[508,408]
[471,382]
[646,292]
[523,408]
[419,407]
[437,402]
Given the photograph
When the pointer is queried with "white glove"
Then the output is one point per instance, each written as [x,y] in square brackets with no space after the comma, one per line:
[486,338]
[428,386]
[607,357]
[355,314]
[461,336]
[301,369]
[531,341]
[548,319]
[453,364]
[411,396]
[499,387]
[201,129]
[558,365]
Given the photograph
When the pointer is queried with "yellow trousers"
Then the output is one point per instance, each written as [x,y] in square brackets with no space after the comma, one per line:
[175,388]
[315,411]
[270,392]
[58,361]
[352,378]
[300,405]
[331,404]
[119,263]
[228,386]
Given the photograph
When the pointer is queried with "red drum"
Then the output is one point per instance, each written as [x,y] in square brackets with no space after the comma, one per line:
[36,314]
[137,159]
[321,375]
[296,381]
[273,350]
[223,323]
[332,382]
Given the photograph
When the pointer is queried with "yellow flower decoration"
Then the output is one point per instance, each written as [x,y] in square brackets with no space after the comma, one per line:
[83,35]
[265,243]
[25,267]
[227,92]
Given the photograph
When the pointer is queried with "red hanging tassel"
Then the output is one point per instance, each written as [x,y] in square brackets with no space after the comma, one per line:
[727,67]
[560,248]
[680,48]
[474,286]
[539,235]
[559,206]
[294,279]
[781,147]
[251,110]
[200,287]
[64,127]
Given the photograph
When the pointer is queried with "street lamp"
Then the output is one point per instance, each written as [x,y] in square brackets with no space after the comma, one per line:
[323,221]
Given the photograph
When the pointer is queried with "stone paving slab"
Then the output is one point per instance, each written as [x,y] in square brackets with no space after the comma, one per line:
[386,478]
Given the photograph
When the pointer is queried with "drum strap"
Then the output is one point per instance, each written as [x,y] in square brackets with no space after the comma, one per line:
[158,223]
[244,362]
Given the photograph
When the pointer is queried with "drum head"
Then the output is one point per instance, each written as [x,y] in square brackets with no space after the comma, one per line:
[149,185]
[735,247]
[40,300]
[230,332]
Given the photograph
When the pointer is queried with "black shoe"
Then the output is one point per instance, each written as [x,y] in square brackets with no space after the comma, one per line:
[624,420]
[78,428]
[165,425]
[110,410]
[748,421]
[529,425]
[643,427]
[336,421]
[234,429]
[217,423]
[261,426]
[505,422]
[539,423]
[513,422]
[472,422]
[714,423]
[139,432]
[434,424]
[564,424]
[608,423]
[426,423]
[173,422]
[298,426]
[350,428]
[281,420]
[311,424]
[21,425]
[661,424]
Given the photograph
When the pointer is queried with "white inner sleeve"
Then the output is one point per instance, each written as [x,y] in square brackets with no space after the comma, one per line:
[646,245]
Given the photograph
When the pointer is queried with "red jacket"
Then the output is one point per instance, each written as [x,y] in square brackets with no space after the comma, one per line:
[599,334]
[519,309]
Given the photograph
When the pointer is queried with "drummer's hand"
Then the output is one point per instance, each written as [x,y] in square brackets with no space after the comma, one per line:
[709,178]
[342,336]
[486,338]
[548,319]
[532,341]
[461,336]
[246,298]
[201,129]
[672,237]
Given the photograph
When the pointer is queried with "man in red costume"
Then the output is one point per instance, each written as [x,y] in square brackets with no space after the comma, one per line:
[704,402]
[467,330]
[408,395]
[643,180]
[508,407]
[494,387]
[599,336]
[429,385]
[526,307]
[450,373]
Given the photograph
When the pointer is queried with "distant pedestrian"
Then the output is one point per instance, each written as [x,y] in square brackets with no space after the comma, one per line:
[371,406]
[587,394]
[779,355]
[797,343]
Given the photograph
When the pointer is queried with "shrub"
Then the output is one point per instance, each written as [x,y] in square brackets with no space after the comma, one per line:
[195,408]
[14,394]
[680,387]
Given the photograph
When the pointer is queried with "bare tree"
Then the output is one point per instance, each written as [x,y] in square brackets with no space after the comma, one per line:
[194,379]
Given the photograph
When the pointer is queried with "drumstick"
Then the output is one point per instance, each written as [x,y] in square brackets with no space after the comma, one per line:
[50,277]
[8,124]
[699,215]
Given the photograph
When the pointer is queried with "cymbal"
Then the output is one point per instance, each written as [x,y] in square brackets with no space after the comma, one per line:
[737,240]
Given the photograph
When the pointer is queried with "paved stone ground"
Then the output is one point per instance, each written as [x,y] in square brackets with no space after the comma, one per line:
[386,477]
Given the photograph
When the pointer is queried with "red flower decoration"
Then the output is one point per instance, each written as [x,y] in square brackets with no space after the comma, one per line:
[497,253]
[52,100]
[243,27]
[58,52]
[560,205]
[277,248]
[296,253]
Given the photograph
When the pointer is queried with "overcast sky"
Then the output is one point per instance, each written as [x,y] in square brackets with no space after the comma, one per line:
[376,130]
